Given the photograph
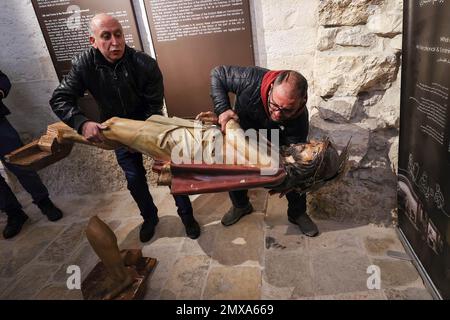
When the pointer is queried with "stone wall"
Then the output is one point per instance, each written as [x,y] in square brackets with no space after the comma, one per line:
[348,50]
[350,53]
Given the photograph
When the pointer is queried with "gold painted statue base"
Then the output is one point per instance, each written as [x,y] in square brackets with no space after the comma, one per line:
[95,286]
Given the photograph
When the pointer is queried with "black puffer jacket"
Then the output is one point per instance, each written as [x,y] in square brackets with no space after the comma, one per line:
[5,85]
[132,88]
[245,83]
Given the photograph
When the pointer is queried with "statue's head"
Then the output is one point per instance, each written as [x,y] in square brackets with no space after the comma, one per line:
[310,165]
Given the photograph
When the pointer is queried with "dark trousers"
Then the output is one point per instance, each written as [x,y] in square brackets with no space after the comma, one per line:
[296,202]
[9,141]
[133,167]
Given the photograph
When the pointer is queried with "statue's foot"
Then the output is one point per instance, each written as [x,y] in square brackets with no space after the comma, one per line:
[131,257]
[117,287]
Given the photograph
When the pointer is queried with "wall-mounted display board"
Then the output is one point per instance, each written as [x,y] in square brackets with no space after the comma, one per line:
[65,26]
[424,146]
[191,37]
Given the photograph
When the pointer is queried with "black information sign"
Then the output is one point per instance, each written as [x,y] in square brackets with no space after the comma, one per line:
[191,37]
[424,148]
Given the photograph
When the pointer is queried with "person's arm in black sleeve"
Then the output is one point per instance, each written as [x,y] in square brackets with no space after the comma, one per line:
[225,79]
[5,85]
[65,97]
[154,86]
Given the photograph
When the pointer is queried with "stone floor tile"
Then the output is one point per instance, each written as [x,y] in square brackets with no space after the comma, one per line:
[128,231]
[166,256]
[276,213]
[377,241]
[339,271]
[335,239]
[30,282]
[118,205]
[360,295]
[18,252]
[170,230]
[396,272]
[58,292]
[78,207]
[187,278]
[203,245]
[258,199]
[240,243]
[284,237]
[65,244]
[159,194]
[289,269]
[407,294]
[167,207]
[210,208]
[84,257]
[233,283]
[271,292]
[4,284]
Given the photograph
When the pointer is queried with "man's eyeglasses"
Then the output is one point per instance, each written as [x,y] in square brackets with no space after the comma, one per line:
[276,107]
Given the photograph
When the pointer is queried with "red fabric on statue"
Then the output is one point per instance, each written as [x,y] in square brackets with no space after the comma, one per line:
[209,178]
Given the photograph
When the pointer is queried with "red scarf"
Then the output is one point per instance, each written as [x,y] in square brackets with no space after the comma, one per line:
[267,80]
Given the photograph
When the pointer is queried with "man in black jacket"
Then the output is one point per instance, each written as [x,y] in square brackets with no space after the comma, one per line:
[9,141]
[264,100]
[124,83]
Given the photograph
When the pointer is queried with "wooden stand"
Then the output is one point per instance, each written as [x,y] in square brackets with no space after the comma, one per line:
[92,287]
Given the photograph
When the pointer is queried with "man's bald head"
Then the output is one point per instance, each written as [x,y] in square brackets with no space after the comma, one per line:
[296,81]
[97,20]
[106,35]
[288,96]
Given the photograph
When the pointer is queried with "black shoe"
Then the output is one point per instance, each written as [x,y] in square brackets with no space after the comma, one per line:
[147,230]
[234,214]
[48,208]
[306,225]
[192,227]
[14,224]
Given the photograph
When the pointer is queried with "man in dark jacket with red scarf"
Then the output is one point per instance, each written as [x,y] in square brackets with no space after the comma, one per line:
[264,100]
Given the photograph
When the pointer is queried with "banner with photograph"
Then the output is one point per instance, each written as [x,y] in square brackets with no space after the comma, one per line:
[424,146]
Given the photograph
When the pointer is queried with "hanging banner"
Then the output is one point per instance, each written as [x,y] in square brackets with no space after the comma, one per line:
[190,38]
[424,146]
[65,26]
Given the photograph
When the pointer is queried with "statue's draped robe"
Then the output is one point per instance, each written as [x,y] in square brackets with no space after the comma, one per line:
[200,157]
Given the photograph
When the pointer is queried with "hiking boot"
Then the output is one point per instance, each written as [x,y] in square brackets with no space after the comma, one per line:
[234,214]
[147,230]
[15,222]
[192,227]
[49,209]
[306,225]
